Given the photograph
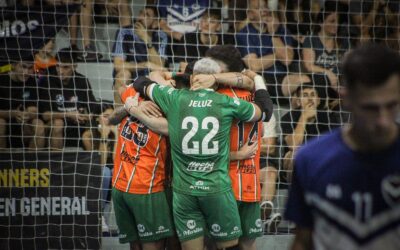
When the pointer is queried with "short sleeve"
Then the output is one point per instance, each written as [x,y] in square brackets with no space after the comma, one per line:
[163,42]
[119,45]
[241,109]
[297,209]
[286,36]
[162,96]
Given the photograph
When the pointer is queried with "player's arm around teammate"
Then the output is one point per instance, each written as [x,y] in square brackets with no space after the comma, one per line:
[141,207]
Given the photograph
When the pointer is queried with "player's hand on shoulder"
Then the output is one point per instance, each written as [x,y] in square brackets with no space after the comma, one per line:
[131,103]
[203,81]
[150,109]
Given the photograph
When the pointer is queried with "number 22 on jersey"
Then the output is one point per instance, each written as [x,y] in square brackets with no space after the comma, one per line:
[193,122]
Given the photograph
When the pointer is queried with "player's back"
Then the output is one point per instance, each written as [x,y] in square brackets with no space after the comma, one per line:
[350,197]
[199,126]
[139,164]
[245,174]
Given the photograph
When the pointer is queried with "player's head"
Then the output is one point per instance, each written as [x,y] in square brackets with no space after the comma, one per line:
[206,66]
[372,90]
[307,96]
[228,57]
[182,81]
[65,64]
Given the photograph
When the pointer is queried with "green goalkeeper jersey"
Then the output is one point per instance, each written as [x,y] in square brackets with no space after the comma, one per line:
[199,125]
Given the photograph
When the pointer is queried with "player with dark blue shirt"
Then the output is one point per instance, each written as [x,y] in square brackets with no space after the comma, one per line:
[346,185]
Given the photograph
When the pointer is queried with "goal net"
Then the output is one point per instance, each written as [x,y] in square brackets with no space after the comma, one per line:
[63,61]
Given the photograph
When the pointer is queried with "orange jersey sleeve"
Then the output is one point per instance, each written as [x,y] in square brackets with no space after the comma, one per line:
[139,165]
[244,174]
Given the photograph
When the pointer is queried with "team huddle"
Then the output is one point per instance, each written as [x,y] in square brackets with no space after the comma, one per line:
[214,136]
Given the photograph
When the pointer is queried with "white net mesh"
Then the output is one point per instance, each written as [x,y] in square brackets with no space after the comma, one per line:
[46,108]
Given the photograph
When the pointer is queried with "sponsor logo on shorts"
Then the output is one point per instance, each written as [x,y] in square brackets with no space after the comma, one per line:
[203,167]
[191,224]
[141,228]
[142,231]
[235,230]
[162,229]
[255,230]
[122,236]
[216,231]
[199,185]
[258,223]
[216,228]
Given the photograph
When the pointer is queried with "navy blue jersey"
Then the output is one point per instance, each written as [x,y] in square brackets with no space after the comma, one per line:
[350,200]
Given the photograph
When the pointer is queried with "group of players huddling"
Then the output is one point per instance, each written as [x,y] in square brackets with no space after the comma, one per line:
[203,128]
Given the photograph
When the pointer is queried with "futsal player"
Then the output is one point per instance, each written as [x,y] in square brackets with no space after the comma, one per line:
[346,185]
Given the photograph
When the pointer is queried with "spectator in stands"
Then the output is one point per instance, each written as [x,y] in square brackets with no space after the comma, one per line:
[68,104]
[269,175]
[386,25]
[266,46]
[20,123]
[177,18]
[89,52]
[361,18]
[138,49]
[322,52]
[302,124]
[180,17]
[197,43]
[117,8]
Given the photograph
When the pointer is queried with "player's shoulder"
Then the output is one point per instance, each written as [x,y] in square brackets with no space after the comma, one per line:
[235,92]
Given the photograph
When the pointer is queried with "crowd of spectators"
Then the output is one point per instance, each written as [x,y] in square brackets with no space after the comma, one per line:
[295,45]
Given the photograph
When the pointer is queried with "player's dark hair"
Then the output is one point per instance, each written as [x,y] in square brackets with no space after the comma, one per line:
[369,65]
[182,81]
[229,55]
[66,55]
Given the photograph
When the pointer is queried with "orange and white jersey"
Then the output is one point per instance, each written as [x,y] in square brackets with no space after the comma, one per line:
[244,174]
[139,164]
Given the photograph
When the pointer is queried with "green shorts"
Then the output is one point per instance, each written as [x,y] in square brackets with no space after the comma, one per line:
[250,219]
[217,214]
[142,217]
